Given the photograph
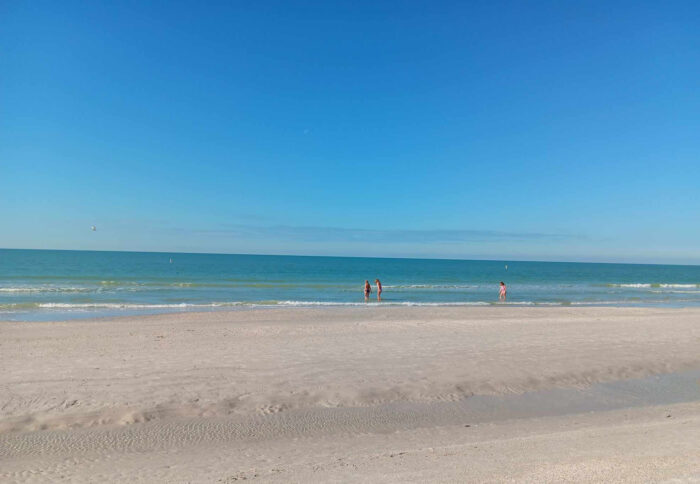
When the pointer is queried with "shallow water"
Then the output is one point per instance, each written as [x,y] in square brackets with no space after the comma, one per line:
[37,285]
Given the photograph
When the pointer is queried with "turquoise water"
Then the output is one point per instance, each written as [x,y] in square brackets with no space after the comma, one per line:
[45,284]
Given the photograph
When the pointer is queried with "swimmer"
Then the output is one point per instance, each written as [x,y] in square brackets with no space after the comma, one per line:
[379,289]
[368,289]
[502,291]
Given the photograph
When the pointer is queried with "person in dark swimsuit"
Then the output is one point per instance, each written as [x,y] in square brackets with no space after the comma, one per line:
[368,290]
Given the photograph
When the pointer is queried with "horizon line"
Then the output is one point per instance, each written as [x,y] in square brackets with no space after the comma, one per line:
[355,257]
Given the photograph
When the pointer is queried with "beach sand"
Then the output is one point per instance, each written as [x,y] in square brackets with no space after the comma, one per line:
[368,394]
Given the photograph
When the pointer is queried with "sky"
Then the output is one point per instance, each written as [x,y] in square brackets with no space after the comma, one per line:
[527,130]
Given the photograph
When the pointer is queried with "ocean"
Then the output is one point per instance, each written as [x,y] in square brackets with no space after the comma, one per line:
[57,285]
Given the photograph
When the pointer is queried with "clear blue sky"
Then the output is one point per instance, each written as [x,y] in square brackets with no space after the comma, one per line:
[510,130]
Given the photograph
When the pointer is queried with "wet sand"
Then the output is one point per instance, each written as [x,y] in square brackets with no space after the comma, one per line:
[354,394]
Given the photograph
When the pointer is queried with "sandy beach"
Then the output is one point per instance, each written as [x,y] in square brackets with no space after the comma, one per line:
[410,394]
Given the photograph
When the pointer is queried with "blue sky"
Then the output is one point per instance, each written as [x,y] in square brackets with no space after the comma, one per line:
[505,130]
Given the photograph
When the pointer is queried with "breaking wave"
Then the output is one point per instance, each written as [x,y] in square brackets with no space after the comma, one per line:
[652,285]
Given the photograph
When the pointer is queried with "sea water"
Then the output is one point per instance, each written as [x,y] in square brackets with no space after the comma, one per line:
[48,284]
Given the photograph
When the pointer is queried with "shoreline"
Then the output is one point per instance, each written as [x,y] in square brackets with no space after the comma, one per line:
[120,311]
[184,397]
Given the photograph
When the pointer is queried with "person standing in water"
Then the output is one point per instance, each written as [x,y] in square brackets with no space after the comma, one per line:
[502,291]
[368,290]
[379,289]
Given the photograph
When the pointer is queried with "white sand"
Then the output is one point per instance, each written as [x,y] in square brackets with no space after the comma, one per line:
[361,394]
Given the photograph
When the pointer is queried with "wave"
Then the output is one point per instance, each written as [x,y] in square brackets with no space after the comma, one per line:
[107,286]
[383,303]
[290,303]
[674,292]
[609,303]
[245,303]
[134,306]
[149,285]
[38,289]
[648,285]
[434,286]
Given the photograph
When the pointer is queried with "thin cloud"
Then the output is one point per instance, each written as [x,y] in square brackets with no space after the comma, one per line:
[337,234]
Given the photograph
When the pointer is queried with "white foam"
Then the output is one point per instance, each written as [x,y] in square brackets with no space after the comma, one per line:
[136,306]
[291,303]
[386,303]
[36,289]
[644,285]
[636,285]
[133,306]
[605,303]
[432,286]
